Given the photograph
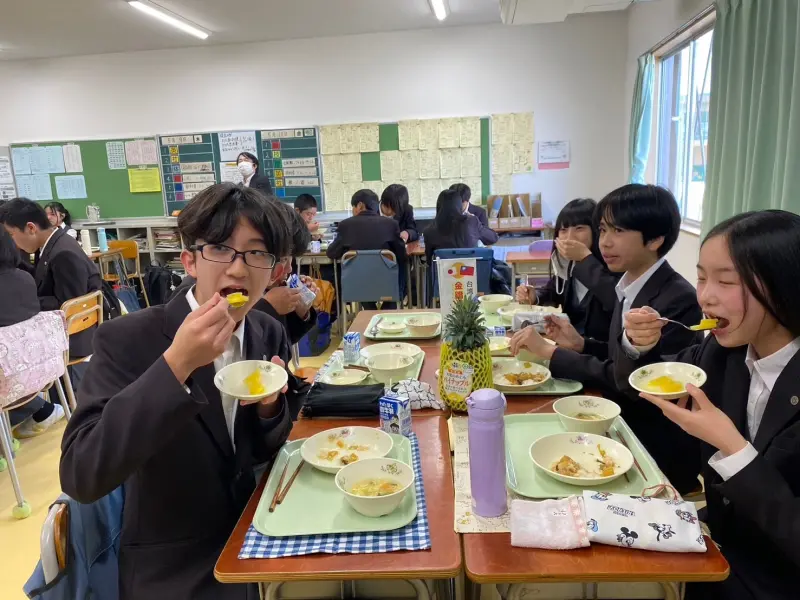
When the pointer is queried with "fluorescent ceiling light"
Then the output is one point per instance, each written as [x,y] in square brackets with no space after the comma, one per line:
[439,8]
[168,18]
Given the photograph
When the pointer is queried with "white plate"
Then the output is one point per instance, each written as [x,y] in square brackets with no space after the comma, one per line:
[582,448]
[401,348]
[499,344]
[683,373]
[345,377]
[501,366]
[230,380]
[377,442]
[391,326]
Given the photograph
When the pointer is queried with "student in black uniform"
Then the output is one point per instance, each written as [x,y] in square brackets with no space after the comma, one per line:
[306,207]
[579,280]
[452,227]
[247,164]
[747,415]
[395,204]
[60,217]
[463,190]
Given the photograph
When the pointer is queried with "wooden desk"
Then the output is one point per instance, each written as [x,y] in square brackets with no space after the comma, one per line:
[110,256]
[442,561]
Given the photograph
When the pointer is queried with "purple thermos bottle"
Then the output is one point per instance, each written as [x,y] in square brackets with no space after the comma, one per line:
[487,452]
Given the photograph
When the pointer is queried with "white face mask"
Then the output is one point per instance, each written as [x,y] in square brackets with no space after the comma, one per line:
[246,168]
[560,266]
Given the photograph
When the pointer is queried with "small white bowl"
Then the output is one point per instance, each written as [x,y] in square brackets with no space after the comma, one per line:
[567,408]
[499,344]
[230,380]
[378,444]
[683,373]
[386,368]
[502,366]
[491,302]
[507,312]
[582,448]
[392,327]
[398,348]
[345,377]
[424,325]
[375,468]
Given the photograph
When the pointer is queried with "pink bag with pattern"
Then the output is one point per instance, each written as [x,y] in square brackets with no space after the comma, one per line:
[31,355]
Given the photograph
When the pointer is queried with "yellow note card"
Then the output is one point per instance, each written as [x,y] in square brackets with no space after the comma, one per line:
[144,180]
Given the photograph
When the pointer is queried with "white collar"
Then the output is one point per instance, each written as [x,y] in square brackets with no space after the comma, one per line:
[238,333]
[630,289]
[50,237]
[770,367]
[248,179]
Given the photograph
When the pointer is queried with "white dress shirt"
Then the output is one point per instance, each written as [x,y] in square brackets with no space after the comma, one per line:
[246,181]
[764,373]
[233,352]
[627,291]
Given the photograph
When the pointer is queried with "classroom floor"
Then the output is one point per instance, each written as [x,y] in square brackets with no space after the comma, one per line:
[37,466]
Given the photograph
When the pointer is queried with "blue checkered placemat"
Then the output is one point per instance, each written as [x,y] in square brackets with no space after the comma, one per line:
[414,536]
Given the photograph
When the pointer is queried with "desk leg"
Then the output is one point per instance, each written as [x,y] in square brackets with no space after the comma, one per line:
[408,283]
[514,279]
[341,319]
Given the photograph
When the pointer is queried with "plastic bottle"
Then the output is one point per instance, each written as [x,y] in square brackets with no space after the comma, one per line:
[487,454]
[86,241]
[102,240]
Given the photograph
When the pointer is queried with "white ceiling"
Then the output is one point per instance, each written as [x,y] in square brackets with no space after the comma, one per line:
[53,28]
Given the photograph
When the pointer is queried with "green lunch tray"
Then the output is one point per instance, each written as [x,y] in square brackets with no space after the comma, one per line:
[524,478]
[398,317]
[314,505]
[552,387]
[419,359]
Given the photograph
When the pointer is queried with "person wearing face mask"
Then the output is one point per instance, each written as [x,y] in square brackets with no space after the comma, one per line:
[247,164]
[579,280]
[395,205]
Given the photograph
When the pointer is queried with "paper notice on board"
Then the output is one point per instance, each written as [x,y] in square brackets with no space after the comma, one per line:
[144,180]
[391,166]
[149,152]
[25,186]
[470,162]
[331,169]
[349,141]
[502,159]
[21,157]
[115,152]
[502,129]
[233,143]
[329,140]
[553,155]
[414,194]
[449,133]
[5,170]
[42,190]
[70,187]
[73,163]
[470,132]
[450,163]
[369,137]
[429,190]
[408,135]
[409,164]
[7,191]
[429,164]
[429,134]
[46,159]
[228,171]
[522,158]
[523,128]
[351,168]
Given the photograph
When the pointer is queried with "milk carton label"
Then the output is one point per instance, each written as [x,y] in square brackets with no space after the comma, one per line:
[395,414]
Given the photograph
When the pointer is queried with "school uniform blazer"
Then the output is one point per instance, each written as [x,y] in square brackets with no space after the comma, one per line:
[675,298]
[599,302]
[436,240]
[261,183]
[64,272]
[368,231]
[18,300]
[406,222]
[480,213]
[185,486]
[755,515]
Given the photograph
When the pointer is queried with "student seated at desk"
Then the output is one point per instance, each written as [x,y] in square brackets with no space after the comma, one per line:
[60,217]
[747,416]
[247,164]
[306,207]
[579,280]
[368,230]
[62,272]
[395,204]
[454,228]
[150,417]
[466,193]
[638,225]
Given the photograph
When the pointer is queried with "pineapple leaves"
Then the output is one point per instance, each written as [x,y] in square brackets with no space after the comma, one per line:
[464,327]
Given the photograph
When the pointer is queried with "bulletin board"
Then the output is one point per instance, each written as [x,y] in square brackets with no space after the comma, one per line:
[120,175]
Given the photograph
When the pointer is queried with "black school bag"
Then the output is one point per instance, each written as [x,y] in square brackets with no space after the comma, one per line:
[159,281]
[111,307]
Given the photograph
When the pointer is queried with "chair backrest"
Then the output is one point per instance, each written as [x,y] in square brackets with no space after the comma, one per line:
[541,245]
[83,312]
[130,249]
[484,258]
[370,276]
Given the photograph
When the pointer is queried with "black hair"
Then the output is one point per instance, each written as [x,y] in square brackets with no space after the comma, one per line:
[450,219]
[575,213]
[57,207]
[304,202]
[462,189]
[395,197]
[301,236]
[648,209]
[252,157]
[765,250]
[366,197]
[17,213]
[9,253]
[215,212]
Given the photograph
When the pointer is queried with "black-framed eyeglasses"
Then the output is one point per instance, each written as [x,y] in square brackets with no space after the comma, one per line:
[220,253]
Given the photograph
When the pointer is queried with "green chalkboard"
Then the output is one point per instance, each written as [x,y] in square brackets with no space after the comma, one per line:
[108,188]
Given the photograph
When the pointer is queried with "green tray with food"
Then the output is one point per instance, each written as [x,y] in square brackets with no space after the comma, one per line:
[387,363]
[315,504]
[520,377]
[404,325]
[544,460]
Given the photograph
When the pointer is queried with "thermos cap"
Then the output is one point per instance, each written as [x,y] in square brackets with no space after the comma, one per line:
[486,399]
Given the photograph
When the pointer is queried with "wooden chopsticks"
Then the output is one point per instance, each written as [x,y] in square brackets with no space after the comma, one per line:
[280,494]
[635,462]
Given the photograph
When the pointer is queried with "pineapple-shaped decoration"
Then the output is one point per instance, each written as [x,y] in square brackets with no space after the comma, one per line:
[465,363]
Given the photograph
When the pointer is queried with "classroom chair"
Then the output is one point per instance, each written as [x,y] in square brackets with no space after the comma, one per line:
[484,258]
[81,313]
[369,276]
[130,251]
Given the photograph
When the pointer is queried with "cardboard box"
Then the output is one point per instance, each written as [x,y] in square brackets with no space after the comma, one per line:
[494,223]
[505,223]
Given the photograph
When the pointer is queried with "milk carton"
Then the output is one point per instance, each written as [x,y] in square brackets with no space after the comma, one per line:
[395,413]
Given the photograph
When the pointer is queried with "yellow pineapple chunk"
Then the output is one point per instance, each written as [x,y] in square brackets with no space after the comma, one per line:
[705,325]
[253,383]
[237,299]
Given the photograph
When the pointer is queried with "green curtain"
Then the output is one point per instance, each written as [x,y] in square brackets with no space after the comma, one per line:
[641,118]
[754,119]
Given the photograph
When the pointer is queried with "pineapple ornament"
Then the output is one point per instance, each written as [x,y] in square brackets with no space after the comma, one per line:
[465,362]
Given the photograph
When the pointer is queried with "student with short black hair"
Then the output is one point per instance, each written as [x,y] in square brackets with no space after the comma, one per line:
[395,204]
[463,190]
[247,163]
[150,417]
[306,207]
[638,225]
[60,217]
